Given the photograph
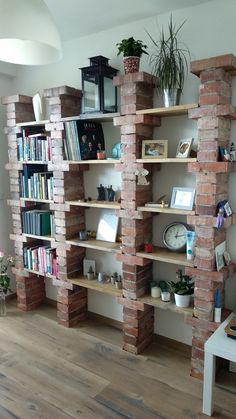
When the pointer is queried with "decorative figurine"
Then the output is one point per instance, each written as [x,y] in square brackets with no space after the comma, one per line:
[110,193]
[142,176]
[101,193]
[232,152]
[220,218]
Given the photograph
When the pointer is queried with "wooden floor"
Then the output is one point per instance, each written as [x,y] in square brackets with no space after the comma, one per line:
[47,371]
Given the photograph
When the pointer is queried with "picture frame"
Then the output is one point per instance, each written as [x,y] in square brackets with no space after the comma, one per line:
[184,148]
[86,265]
[91,139]
[182,198]
[227,258]
[107,227]
[154,149]
[219,254]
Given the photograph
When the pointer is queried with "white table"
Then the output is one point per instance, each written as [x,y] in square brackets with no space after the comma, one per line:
[219,344]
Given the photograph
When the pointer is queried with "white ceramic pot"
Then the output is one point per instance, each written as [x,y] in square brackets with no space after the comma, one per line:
[182,300]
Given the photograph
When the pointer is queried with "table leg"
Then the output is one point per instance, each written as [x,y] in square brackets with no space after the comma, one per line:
[209,381]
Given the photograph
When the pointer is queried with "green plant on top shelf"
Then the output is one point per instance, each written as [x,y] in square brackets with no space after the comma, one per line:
[129,47]
[169,60]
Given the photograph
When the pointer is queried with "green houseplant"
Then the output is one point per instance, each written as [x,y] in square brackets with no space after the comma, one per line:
[169,63]
[182,289]
[5,263]
[132,50]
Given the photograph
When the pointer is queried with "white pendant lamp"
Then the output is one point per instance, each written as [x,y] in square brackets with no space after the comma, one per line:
[28,34]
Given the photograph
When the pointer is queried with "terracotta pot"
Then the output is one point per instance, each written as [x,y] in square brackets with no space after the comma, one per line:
[131,64]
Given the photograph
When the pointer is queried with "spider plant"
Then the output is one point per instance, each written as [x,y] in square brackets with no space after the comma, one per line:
[169,60]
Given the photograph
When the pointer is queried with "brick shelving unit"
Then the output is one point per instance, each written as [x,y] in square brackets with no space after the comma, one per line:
[213,116]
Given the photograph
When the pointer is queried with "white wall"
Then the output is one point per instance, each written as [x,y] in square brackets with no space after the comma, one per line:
[209,30]
[5,213]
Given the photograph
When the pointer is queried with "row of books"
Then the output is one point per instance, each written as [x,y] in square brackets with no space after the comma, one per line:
[38,222]
[41,259]
[83,139]
[35,147]
[38,186]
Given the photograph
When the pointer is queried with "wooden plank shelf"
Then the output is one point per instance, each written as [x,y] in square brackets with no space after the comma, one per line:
[99,117]
[34,236]
[46,275]
[96,245]
[33,123]
[107,161]
[168,210]
[93,284]
[170,111]
[168,160]
[95,204]
[157,302]
[163,255]
[43,201]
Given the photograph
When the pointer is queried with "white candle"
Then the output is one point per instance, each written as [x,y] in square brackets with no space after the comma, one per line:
[156,292]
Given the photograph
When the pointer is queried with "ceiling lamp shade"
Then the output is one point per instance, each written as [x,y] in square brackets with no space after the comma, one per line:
[28,34]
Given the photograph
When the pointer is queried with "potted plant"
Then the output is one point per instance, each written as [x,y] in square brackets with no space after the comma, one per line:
[90,273]
[169,63]
[5,263]
[132,50]
[182,289]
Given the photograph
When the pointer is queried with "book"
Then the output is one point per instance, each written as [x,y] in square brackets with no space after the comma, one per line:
[91,139]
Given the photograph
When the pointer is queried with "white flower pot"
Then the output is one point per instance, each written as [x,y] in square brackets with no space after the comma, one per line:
[182,300]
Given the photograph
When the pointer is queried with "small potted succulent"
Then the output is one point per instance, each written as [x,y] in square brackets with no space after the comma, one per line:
[182,289]
[132,50]
[90,273]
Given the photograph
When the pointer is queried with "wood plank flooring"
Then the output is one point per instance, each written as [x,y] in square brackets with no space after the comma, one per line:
[49,372]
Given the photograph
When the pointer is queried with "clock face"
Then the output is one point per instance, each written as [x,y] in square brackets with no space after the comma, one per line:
[174,236]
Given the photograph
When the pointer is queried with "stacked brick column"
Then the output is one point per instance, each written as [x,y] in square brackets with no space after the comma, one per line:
[214,116]
[68,185]
[30,289]
[136,93]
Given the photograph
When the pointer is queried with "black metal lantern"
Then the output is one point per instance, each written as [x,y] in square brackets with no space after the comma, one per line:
[99,94]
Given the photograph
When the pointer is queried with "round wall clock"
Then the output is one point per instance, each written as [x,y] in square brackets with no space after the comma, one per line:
[174,236]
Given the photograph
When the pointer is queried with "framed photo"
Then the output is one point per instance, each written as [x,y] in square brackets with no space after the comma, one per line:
[182,198]
[91,139]
[227,257]
[219,252]
[107,227]
[154,149]
[184,148]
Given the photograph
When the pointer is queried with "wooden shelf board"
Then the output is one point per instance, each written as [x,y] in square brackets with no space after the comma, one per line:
[96,244]
[34,236]
[93,284]
[95,204]
[100,117]
[168,160]
[157,302]
[109,161]
[35,162]
[40,273]
[166,210]
[163,255]
[43,201]
[170,111]
[33,123]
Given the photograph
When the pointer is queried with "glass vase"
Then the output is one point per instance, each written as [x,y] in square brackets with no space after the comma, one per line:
[3,310]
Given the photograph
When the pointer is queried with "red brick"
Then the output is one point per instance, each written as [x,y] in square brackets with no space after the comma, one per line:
[225,62]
